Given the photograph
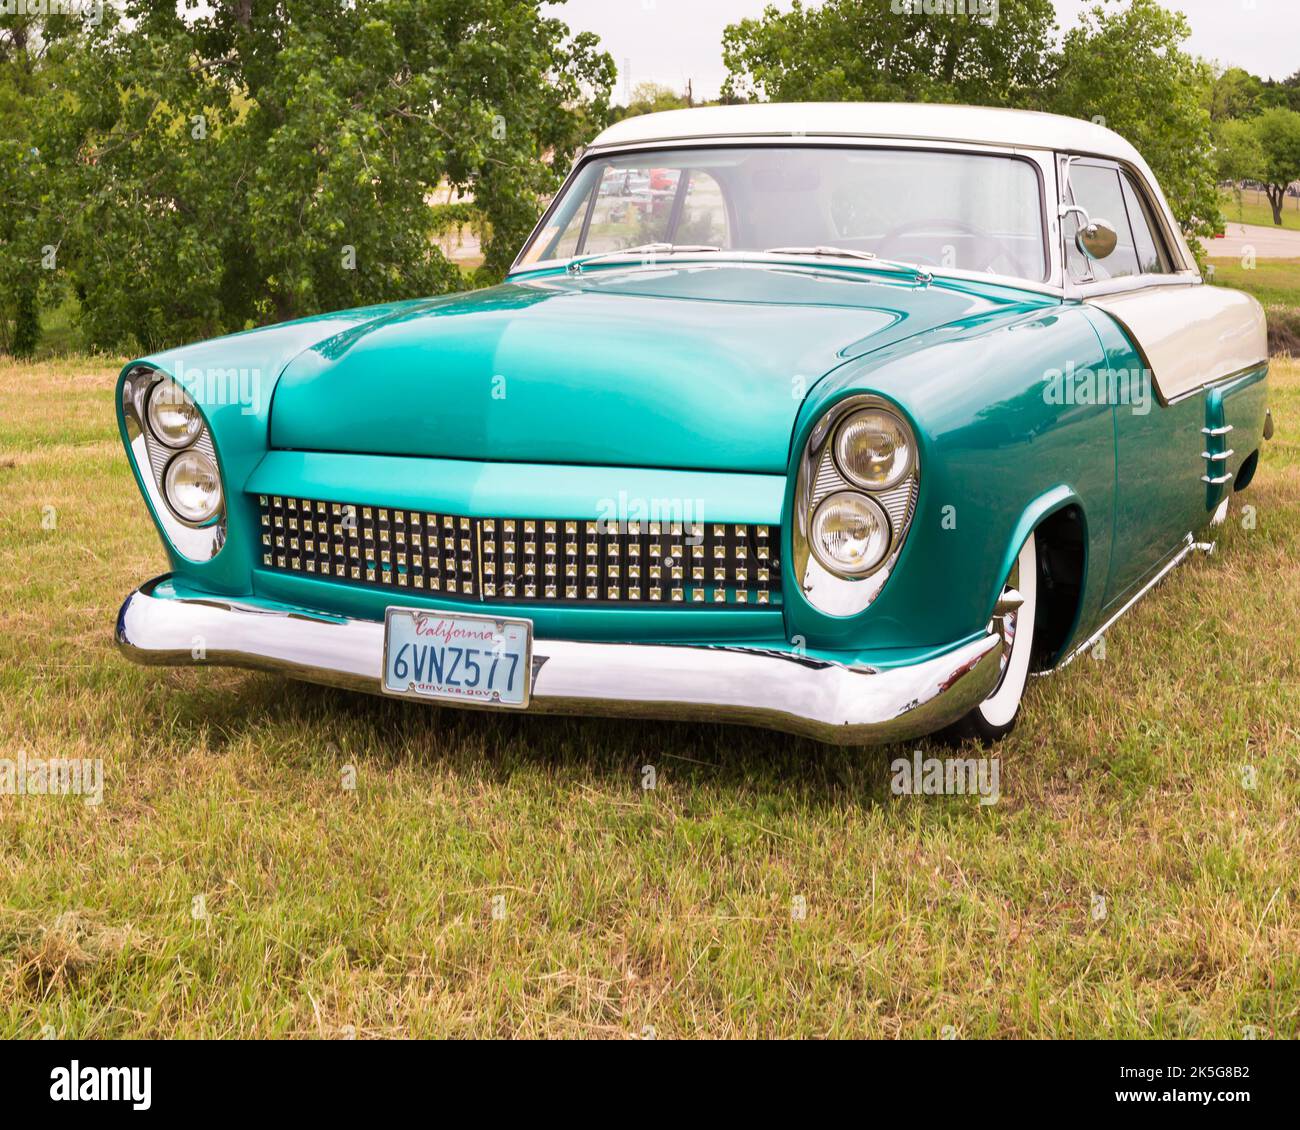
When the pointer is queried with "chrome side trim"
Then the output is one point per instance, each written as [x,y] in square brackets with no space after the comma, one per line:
[1189,545]
[832,702]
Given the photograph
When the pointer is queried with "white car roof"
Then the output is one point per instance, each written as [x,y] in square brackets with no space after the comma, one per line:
[1024,129]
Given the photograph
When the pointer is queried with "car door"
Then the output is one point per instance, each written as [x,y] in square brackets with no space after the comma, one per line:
[1170,341]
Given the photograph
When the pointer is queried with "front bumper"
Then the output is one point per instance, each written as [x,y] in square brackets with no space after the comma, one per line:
[832,702]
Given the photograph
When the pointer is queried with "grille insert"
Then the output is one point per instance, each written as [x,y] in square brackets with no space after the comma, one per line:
[523,560]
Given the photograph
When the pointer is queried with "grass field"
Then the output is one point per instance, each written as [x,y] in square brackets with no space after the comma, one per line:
[492,876]
[1254,208]
[1276,283]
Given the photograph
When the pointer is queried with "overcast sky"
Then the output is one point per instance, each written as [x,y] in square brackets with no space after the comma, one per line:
[670,41]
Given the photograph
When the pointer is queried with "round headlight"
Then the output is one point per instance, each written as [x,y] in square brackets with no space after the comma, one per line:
[850,533]
[173,417]
[873,449]
[193,487]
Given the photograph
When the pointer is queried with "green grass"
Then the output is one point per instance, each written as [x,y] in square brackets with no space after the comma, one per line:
[332,911]
[1275,282]
[1254,208]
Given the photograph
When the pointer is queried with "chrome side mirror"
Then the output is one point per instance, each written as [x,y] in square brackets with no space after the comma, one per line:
[1095,238]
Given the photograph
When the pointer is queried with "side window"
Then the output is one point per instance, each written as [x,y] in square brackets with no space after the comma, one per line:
[1152,259]
[1098,190]
[704,213]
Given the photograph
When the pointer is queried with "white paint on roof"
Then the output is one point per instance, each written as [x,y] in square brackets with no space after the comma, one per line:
[925,121]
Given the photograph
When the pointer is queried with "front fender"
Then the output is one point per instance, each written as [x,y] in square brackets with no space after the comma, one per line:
[997,456]
[232,380]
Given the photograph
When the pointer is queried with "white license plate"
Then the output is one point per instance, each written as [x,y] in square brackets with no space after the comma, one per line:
[484,660]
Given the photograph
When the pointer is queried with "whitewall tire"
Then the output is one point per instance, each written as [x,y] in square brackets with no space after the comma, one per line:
[996,716]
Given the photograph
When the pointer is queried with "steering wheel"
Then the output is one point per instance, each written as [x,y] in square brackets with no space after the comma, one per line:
[990,246]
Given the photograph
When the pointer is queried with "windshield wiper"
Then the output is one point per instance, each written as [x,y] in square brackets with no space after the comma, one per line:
[922,275]
[574,266]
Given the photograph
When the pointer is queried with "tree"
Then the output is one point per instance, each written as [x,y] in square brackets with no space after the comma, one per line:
[1284,93]
[1238,154]
[883,50]
[28,277]
[1125,68]
[1235,93]
[1278,131]
[242,162]
[1122,67]
[650,98]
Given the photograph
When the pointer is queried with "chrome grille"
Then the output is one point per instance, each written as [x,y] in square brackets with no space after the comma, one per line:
[523,560]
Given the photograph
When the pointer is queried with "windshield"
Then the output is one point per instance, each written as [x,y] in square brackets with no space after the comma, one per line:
[972,211]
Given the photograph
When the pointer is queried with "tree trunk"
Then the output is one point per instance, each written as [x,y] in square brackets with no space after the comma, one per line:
[1276,198]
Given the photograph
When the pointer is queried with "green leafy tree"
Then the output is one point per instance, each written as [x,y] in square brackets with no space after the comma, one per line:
[28,263]
[241,162]
[1283,93]
[650,98]
[1238,154]
[1278,131]
[1125,68]
[1235,93]
[890,50]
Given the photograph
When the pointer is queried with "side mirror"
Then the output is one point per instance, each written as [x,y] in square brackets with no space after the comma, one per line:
[1095,238]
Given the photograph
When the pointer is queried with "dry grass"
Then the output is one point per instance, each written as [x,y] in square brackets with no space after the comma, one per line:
[327,911]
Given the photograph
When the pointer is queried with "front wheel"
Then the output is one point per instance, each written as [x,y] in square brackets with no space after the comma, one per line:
[996,716]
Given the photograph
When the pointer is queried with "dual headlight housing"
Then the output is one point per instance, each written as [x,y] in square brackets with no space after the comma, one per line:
[169,441]
[856,491]
[850,532]
[191,483]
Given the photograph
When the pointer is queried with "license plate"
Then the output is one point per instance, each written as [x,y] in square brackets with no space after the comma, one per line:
[484,660]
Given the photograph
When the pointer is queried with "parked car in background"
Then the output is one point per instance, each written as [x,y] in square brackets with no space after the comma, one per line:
[879,410]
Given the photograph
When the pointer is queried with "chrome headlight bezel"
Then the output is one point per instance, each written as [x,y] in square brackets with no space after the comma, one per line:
[902,466]
[171,492]
[873,509]
[152,455]
[830,590]
[170,390]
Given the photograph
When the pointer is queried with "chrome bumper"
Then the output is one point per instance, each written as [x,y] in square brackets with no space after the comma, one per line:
[847,705]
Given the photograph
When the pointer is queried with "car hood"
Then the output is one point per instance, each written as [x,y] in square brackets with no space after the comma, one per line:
[690,365]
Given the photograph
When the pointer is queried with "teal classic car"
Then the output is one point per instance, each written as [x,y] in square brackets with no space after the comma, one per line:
[836,419]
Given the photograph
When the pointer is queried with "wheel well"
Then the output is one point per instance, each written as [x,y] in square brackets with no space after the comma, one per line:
[1061,557]
[1246,471]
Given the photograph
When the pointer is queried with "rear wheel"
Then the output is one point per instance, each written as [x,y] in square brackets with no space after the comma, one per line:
[996,716]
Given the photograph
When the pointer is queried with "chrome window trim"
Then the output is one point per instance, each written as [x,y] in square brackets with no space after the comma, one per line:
[1082,292]
[1187,275]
